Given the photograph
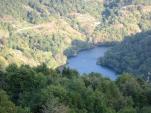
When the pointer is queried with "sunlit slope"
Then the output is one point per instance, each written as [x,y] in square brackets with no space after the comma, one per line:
[41,31]
[123,21]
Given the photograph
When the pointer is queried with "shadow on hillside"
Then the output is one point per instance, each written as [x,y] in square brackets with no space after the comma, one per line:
[78,45]
[132,55]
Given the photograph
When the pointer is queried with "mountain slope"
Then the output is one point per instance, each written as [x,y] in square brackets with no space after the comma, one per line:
[37,31]
[45,31]
[123,20]
[132,55]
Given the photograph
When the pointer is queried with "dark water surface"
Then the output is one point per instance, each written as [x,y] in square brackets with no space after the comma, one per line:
[85,62]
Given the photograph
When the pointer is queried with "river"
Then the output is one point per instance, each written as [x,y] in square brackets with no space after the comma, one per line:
[85,62]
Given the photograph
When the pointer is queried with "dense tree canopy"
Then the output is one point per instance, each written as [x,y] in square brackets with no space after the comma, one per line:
[33,32]
[132,55]
[42,90]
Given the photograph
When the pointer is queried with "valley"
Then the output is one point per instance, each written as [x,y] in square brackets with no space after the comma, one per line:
[48,32]
[86,62]
[103,47]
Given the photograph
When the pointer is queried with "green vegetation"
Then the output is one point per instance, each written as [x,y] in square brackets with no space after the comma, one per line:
[39,31]
[31,9]
[41,90]
[123,18]
[7,106]
[132,55]
[34,32]
[46,31]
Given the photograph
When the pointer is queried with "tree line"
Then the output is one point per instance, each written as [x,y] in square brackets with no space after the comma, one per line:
[131,55]
[39,89]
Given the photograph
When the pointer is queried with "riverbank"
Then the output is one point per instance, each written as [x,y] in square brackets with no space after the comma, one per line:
[89,46]
[86,62]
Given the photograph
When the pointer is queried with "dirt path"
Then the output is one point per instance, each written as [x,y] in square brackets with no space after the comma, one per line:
[40,26]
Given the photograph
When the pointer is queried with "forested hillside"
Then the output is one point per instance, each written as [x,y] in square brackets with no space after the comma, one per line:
[39,35]
[122,18]
[39,31]
[132,55]
[41,90]
[46,31]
